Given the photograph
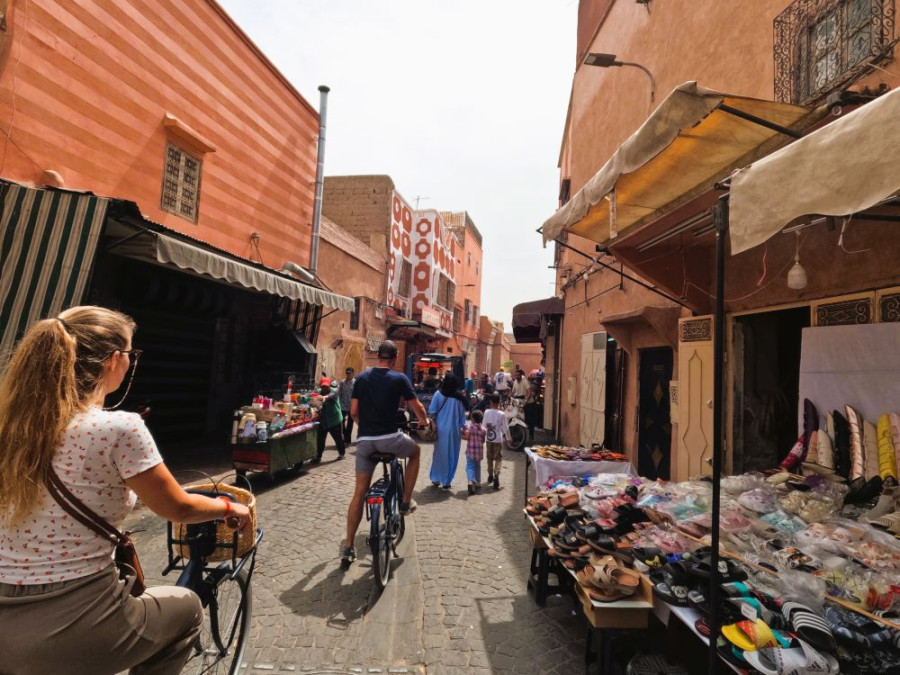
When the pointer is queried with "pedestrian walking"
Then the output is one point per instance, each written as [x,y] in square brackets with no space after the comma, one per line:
[449,413]
[496,430]
[345,392]
[474,434]
[330,421]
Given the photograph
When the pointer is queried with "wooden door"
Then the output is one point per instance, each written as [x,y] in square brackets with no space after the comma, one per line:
[592,383]
[695,398]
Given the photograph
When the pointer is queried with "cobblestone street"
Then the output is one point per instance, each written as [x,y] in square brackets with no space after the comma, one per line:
[457,601]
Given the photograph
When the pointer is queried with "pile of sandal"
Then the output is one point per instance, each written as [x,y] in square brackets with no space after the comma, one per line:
[565,453]
[607,579]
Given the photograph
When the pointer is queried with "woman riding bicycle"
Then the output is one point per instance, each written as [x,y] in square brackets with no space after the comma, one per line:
[63,607]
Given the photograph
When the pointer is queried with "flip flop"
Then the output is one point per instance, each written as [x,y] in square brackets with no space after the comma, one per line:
[749,635]
[670,584]
[808,625]
[802,659]
[856,630]
[701,566]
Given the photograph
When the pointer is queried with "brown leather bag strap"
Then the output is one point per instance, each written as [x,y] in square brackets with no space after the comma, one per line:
[79,511]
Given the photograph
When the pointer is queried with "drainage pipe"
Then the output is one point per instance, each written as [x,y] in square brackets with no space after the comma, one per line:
[320,181]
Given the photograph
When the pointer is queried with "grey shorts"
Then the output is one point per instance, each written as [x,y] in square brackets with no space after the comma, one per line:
[398,444]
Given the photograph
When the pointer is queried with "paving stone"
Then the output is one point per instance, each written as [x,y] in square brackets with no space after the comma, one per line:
[457,601]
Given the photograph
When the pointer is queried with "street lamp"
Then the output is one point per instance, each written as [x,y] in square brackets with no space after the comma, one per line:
[610,61]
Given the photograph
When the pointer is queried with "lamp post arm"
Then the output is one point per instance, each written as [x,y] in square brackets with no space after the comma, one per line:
[649,74]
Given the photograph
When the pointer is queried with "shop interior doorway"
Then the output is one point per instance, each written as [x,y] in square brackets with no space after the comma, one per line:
[654,413]
[766,349]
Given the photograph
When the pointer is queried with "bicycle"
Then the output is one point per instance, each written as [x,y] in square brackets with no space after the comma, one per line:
[224,590]
[385,533]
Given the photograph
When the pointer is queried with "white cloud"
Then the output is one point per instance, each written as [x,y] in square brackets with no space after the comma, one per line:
[461,102]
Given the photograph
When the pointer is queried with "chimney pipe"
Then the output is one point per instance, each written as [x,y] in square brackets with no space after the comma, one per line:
[320,180]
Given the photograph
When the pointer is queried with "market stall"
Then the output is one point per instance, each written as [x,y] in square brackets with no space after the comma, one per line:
[270,436]
[551,461]
[807,577]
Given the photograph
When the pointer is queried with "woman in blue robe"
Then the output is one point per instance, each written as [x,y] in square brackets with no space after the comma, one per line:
[449,412]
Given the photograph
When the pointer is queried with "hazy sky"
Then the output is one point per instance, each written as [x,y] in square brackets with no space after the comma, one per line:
[461,102]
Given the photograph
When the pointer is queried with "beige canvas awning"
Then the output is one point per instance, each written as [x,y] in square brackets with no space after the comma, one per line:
[163,249]
[846,166]
[685,145]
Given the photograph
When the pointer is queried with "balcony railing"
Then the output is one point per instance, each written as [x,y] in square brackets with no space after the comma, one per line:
[823,45]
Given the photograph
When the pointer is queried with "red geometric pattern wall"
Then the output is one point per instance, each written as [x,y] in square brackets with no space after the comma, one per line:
[401,249]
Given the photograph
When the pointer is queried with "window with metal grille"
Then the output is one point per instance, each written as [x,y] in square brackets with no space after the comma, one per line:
[468,311]
[404,289]
[822,45]
[475,314]
[354,315]
[446,292]
[457,319]
[181,183]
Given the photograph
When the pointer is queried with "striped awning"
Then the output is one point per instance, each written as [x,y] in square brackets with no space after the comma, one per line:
[48,239]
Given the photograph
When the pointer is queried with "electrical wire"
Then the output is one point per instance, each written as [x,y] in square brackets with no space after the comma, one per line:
[841,238]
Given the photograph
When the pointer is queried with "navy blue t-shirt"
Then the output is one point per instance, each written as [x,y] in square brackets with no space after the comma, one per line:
[378,392]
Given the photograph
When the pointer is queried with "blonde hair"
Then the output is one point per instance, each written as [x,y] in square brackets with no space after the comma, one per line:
[53,374]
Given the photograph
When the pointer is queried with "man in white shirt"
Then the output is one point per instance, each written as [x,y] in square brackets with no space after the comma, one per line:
[496,430]
[501,384]
[520,386]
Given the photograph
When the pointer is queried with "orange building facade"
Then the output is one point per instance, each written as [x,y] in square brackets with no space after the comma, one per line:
[467,308]
[620,345]
[93,96]
[203,160]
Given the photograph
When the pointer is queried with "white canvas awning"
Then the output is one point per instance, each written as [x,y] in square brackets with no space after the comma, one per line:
[163,249]
[845,167]
[685,145]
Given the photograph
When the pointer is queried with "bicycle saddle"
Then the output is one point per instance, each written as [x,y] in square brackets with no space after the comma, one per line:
[382,457]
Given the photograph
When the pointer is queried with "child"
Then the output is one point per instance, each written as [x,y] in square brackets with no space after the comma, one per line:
[497,429]
[474,433]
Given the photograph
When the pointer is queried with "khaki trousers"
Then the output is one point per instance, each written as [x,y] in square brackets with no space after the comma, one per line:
[494,455]
[93,626]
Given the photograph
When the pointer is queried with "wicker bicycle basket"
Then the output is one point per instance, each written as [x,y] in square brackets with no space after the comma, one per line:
[224,535]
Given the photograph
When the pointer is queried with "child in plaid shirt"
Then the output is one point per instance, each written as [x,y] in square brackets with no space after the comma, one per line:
[474,434]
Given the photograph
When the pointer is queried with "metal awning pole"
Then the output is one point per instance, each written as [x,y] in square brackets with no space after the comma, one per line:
[760,121]
[720,213]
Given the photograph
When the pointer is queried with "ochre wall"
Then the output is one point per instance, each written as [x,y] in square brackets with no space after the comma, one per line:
[362,206]
[722,45]
[84,88]
[347,266]
[528,356]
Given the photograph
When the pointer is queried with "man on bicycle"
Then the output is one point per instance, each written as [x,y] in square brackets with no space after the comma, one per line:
[373,405]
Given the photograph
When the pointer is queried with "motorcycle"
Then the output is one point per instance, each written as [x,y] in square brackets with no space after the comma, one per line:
[515,419]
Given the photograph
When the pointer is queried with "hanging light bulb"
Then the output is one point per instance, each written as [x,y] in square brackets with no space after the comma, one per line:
[796,277]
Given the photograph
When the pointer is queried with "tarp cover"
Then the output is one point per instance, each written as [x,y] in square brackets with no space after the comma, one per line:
[184,255]
[529,319]
[846,166]
[682,149]
[48,240]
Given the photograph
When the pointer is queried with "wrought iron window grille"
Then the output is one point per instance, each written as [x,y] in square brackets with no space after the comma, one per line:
[823,45]
[181,183]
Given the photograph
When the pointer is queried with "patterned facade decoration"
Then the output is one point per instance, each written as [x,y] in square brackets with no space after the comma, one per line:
[420,242]
[890,308]
[401,251]
[845,313]
[696,331]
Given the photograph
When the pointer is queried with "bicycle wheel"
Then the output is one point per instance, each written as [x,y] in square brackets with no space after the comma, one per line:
[223,635]
[380,542]
[401,520]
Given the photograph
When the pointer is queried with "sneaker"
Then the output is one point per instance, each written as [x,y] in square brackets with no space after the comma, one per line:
[471,487]
[434,483]
[348,555]
[315,460]
[406,509]
[490,478]
[496,482]
[341,455]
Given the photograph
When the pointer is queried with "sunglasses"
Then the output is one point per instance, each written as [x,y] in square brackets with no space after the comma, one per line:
[133,353]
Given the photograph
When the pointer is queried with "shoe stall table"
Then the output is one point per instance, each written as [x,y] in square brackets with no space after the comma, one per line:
[545,469]
[603,618]
[276,454]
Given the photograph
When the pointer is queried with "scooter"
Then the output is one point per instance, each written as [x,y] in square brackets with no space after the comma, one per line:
[515,419]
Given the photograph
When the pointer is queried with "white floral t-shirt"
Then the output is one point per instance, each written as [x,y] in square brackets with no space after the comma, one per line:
[100,450]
